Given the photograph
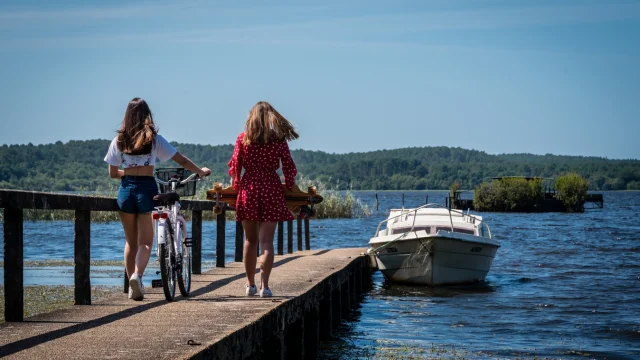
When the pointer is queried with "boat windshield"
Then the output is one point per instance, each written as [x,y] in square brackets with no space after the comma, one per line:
[430,230]
[456,229]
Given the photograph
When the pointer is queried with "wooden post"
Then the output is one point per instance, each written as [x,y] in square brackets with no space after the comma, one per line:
[376,201]
[290,237]
[307,241]
[196,241]
[239,241]
[299,229]
[13,265]
[82,258]
[280,238]
[126,282]
[220,238]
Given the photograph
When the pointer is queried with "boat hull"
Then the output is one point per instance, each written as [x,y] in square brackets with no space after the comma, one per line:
[436,260]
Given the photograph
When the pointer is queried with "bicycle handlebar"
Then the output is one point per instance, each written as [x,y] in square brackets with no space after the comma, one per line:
[189,178]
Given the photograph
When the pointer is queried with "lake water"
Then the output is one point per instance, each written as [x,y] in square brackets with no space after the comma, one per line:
[561,285]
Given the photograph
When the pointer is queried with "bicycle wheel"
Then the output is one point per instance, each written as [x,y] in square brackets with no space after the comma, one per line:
[184,278]
[167,259]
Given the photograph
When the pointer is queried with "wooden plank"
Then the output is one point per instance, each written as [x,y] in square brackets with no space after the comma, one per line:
[19,199]
[13,265]
[82,257]
[196,241]
[38,200]
[220,238]
[197,205]
[239,241]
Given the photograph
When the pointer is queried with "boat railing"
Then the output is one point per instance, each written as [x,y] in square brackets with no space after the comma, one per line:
[415,211]
[489,230]
[406,213]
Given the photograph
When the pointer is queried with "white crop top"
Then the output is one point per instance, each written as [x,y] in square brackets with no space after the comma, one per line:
[161,151]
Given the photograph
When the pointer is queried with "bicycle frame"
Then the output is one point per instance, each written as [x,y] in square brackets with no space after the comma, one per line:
[178,223]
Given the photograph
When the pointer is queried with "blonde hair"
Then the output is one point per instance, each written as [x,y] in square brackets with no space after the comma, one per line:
[137,133]
[265,124]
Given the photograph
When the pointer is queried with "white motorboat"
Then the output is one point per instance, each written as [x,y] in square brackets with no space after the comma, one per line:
[432,245]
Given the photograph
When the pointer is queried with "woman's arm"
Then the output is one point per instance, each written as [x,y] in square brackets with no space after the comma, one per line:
[190,165]
[235,164]
[115,172]
[288,166]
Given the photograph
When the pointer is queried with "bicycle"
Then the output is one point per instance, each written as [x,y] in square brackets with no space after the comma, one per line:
[173,247]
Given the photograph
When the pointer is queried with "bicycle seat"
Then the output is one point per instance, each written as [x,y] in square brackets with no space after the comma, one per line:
[167,197]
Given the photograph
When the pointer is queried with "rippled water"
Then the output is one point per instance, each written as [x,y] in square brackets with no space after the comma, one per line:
[561,285]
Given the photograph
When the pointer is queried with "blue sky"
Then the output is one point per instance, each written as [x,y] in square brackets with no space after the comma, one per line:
[559,77]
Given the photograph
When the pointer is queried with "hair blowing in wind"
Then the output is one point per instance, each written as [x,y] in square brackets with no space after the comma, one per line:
[265,124]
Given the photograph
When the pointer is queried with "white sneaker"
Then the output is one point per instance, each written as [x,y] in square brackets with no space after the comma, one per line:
[136,288]
[265,292]
[250,290]
[130,293]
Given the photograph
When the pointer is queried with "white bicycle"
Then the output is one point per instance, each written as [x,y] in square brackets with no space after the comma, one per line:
[173,246]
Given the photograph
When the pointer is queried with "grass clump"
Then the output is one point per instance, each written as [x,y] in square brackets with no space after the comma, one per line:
[335,204]
[509,194]
[572,191]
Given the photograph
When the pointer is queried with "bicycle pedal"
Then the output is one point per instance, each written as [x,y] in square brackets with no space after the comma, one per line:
[157,283]
[188,242]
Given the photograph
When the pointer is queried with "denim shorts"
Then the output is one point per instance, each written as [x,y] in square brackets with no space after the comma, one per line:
[136,194]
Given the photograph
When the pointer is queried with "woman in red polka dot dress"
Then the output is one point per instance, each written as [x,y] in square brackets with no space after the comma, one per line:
[260,204]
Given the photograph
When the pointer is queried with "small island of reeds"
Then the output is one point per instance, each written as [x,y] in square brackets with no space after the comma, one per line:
[528,194]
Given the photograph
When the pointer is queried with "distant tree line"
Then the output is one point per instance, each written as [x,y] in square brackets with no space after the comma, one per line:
[79,165]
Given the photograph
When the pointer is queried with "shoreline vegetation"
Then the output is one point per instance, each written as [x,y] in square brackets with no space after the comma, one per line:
[77,165]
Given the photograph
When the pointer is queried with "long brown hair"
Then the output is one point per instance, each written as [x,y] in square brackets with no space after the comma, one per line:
[265,125]
[137,133]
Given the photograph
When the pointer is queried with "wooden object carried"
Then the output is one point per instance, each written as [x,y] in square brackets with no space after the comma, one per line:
[298,202]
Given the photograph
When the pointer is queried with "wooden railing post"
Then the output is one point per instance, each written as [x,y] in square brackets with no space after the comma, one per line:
[13,265]
[307,241]
[280,238]
[220,239]
[196,241]
[290,237]
[126,282]
[82,258]
[299,229]
[239,241]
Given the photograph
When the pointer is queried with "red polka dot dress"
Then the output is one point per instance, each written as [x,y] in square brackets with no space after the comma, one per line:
[260,196]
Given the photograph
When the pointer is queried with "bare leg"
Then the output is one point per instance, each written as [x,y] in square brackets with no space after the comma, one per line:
[250,244]
[267,230]
[145,240]
[131,236]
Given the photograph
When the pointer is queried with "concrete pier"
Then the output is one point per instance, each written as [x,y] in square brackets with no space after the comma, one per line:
[313,291]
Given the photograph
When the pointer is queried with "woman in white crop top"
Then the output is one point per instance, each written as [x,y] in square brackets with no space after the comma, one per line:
[136,148]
